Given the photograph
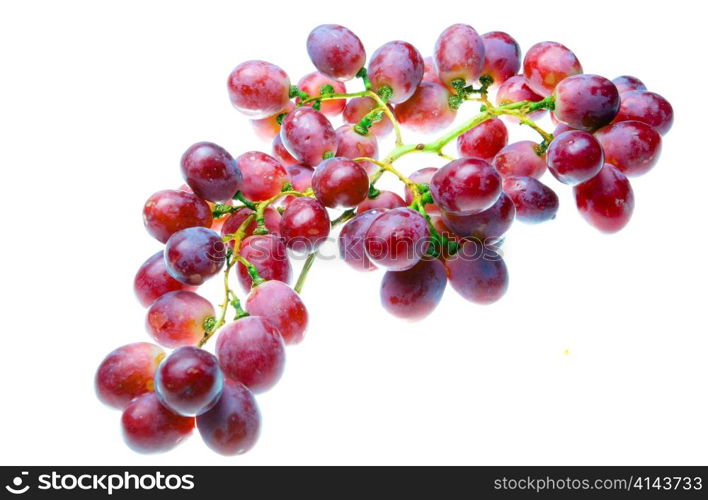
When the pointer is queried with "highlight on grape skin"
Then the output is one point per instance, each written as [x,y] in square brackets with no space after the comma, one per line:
[263,216]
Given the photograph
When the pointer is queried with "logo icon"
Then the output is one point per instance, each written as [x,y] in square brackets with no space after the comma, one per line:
[16,488]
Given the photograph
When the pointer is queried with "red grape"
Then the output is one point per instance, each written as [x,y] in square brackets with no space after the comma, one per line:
[194,255]
[336,51]
[263,176]
[312,85]
[517,89]
[633,147]
[127,372]
[268,128]
[153,281]
[427,110]
[487,225]
[271,218]
[430,74]
[606,201]
[281,153]
[547,63]
[574,157]
[466,186]
[211,172]
[586,102]
[259,89]
[459,54]
[351,144]
[358,107]
[340,182]
[233,425]
[561,127]
[189,381]
[483,141]
[535,202]
[351,240]
[478,276]
[308,135]
[177,318]
[282,307]
[397,239]
[269,256]
[626,83]
[502,56]
[251,350]
[149,427]
[646,107]
[414,293]
[300,177]
[399,66]
[520,159]
[169,211]
[305,225]
[384,200]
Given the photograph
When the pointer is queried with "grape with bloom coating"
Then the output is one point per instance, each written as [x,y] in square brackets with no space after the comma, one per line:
[194,255]
[646,107]
[535,202]
[483,141]
[397,239]
[308,135]
[259,89]
[282,307]
[340,182]
[547,63]
[211,172]
[487,225]
[251,350]
[477,273]
[189,381]
[351,240]
[177,318]
[414,293]
[305,225]
[427,110]
[269,127]
[586,102]
[383,201]
[358,107]
[606,201]
[399,66]
[233,425]
[466,186]
[267,253]
[150,427]
[520,159]
[351,144]
[626,83]
[633,147]
[336,51]
[171,210]
[152,280]
[459,54]
[127,372]
[574,157]
[502,56]
[312,84]
[263,175]
[271,219]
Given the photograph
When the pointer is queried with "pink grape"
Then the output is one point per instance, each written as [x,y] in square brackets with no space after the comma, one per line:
[169,211]
[259,89]
[520,159]
[178,318]
[483,141]
[547,63]
[340,182]
[586,102]
[574,157]
[152,280]
[282,307]
[414,293]
[308,135]
[535,202]
[459,54]
[351,240]
[149,427]
[502,56]
[515,89]
[646,107]
[281,154]
[466,186]
[430,74]
[127,372]
[269,256]
[399,66]
[358,107]
[427,110]
[305,225]
[633,147]
[336,51]
[251,350]
[422,176]
[351,144]
[628,83]
[233,222]
[263,175]
[300,176]
[312,84]
[397,239]
[606,201]
[268,128]
[383,201]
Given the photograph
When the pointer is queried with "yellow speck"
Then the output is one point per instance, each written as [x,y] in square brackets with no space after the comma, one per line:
[566,352]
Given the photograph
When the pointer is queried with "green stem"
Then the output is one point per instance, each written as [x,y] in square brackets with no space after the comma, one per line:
[304,271]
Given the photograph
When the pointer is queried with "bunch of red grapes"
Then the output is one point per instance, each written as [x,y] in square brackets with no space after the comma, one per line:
[248,214]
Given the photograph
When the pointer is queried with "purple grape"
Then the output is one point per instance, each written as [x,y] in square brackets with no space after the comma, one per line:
[194,255]
[414,293]
[211,172]
[336,51]
[399,66]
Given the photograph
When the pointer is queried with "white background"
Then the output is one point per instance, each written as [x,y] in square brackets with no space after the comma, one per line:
[597,355]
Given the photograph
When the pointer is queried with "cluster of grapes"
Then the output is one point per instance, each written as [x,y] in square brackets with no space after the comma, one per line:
[248,212]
